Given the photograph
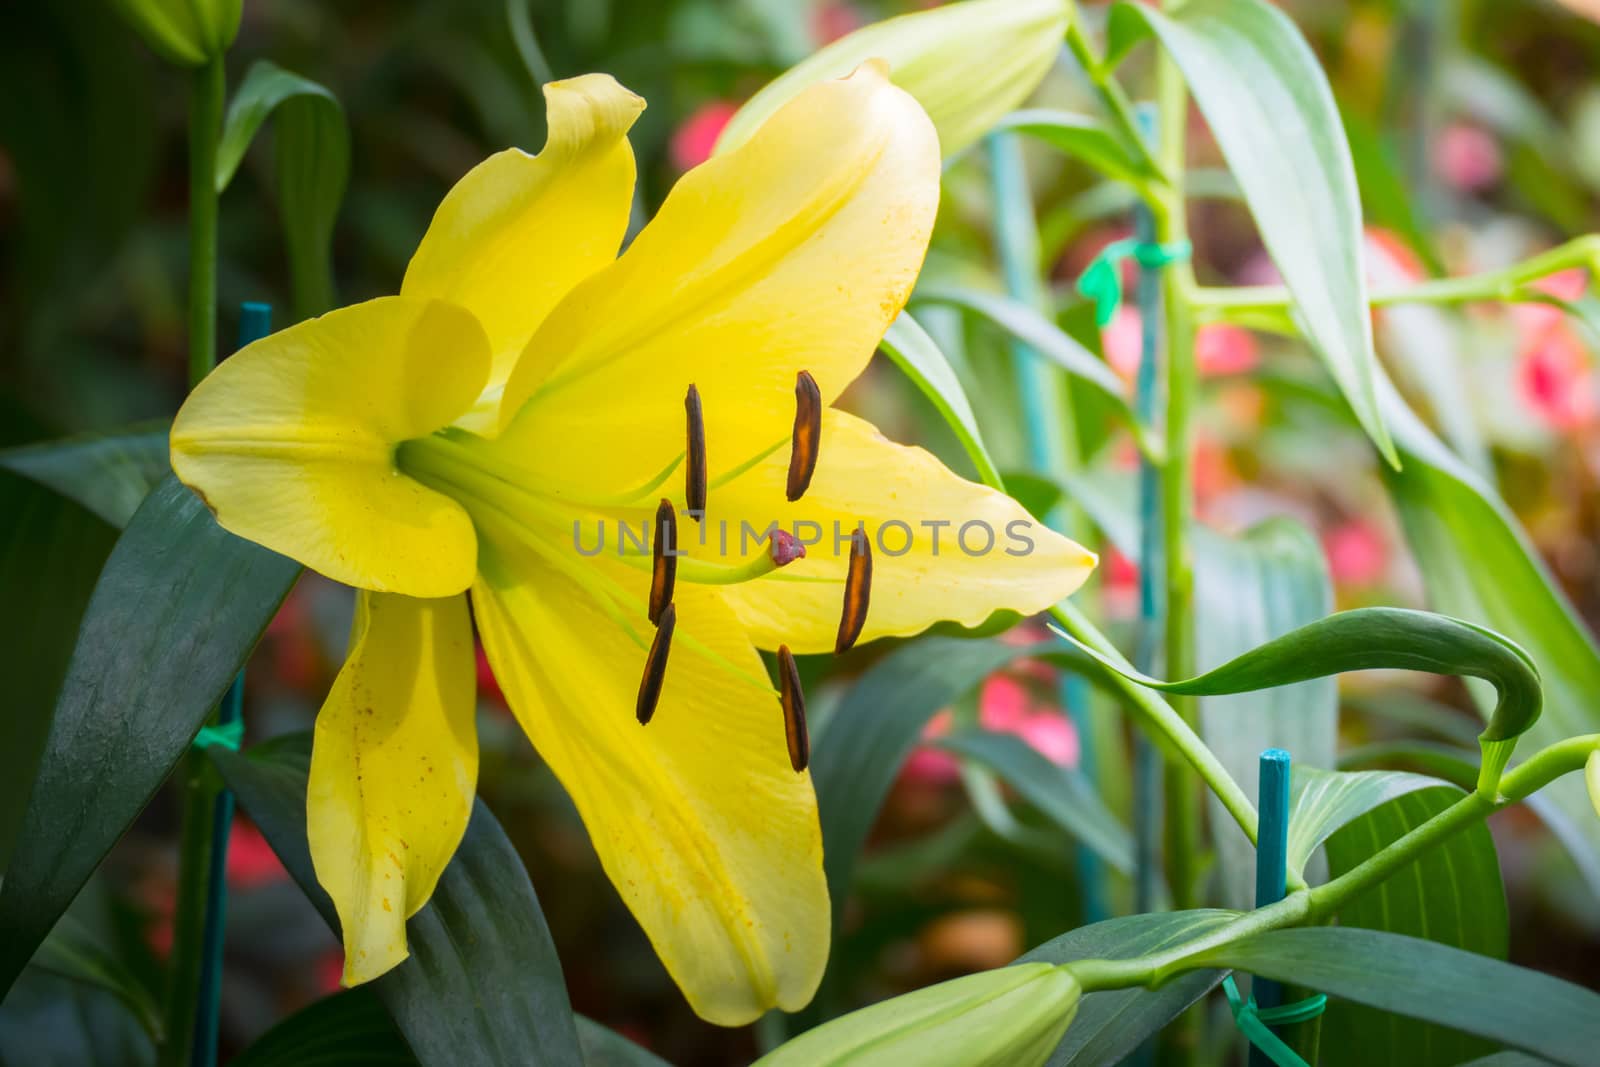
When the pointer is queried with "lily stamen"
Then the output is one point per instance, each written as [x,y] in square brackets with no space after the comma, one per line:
[807,437]
[664,559]
[793,699]
[694,491]
[655,666]
[857,591]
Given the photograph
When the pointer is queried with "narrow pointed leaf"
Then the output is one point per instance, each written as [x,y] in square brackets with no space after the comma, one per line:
[1324,801]
[1511,1005]
[110,474]
[1082,137]
[1113,1023]
[312,157]
[1050,341]
[604,1047]
[1272,112]
[1451,895]
[483,984]
[173,616]
[915,353]
[1062,794]
[350,1027]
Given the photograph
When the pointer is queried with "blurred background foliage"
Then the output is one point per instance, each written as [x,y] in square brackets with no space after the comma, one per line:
[1476,130]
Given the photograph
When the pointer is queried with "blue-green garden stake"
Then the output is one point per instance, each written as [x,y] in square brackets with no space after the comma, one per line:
[1272,858]
[255,322]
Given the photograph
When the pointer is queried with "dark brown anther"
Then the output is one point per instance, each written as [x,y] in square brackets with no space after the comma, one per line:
[807,434]
[857,591]
[694,492]
[655,665]
[794,710]
[664,571]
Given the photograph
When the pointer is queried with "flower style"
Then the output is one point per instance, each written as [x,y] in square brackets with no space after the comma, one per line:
[529,391]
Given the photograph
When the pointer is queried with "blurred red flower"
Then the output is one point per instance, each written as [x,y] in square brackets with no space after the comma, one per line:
[697,135]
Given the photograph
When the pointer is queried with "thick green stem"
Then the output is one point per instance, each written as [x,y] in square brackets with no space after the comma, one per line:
[1114,100]
[1506,285]
[1177,490]
[206,99]
[1307,906]
[198,783]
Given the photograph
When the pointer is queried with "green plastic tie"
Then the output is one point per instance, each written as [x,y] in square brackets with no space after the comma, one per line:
[226,735]
[1101,280]
[1254,1023]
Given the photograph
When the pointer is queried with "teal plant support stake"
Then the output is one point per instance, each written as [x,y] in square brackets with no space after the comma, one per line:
[1050,434]
[1147,768]
[255,322]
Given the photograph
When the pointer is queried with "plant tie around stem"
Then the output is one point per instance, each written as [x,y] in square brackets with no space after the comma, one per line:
[1101,280]
[227,735]
[1254,1022]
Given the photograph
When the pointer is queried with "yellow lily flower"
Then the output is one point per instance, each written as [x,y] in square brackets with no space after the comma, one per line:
[528,392]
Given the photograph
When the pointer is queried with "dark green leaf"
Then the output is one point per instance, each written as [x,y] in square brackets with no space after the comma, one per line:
[173,617]
[72,951]
[1112,1023]
[50,1020]
[1061,793]
[603,1047]
[109,474]
[351,1027]
[1081,137]
[1510,1005]
[1451,895]
[915,353]
[1478,563]
[51,551]
[312,157]
[1323,801]
[483,984]
[1050,341]
[1269,105]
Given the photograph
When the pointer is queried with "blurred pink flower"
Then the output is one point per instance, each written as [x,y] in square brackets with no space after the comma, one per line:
[1467,157]
[488,687]
[1219,347]
[1014,701]
[251,861]
[694,139]
[832,19]
[1357,552]
[1555,372]
[1052,735]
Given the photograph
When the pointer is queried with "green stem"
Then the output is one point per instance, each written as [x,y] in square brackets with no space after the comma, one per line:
[1177,490]
[205,128]
[1505,285]
[1115,101]
[1309,906]
[199,784]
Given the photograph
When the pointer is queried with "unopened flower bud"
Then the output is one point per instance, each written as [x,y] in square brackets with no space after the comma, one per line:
[189,33]
[967,64]
[1014,1015]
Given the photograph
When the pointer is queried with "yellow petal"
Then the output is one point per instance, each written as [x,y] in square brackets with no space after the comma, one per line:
[794,252]
[922,572]
[394,762]
[291,443]
[519,231]
[700,823]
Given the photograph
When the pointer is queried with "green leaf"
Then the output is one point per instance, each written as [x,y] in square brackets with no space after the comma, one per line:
[1081,137]
[1420,979]
[72,951]
[51,551]
[1324,801]
[312,156]
[483,984]
[1451,895]
[173,617]
[603,1047]
[1062,794]
[915,353]
[1478,563]
[1112,1023]
[1033,329]
[48,1020]
[1248,590]
[110,474]
[350,1027]
[1270,108]
[1369,638]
